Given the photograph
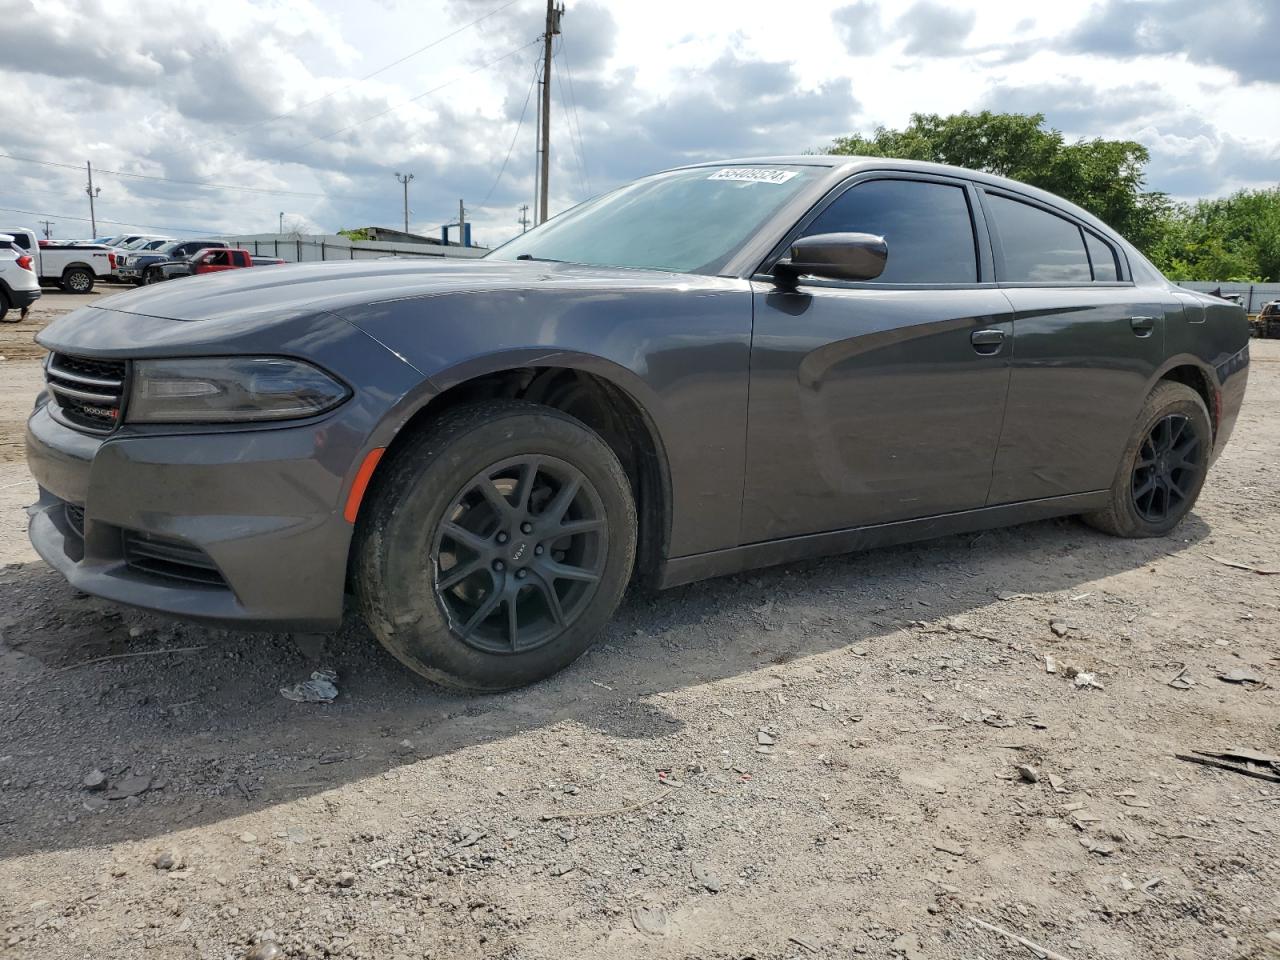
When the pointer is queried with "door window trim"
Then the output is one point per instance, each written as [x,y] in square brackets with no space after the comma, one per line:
[977,221]
[997,246]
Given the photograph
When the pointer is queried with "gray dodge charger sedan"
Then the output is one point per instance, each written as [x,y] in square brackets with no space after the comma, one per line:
[711,369]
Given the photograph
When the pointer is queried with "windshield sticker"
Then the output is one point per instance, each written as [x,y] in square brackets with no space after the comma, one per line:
[754,175]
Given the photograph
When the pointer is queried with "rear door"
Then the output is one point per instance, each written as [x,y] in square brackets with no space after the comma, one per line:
[1086,342]
[879,401]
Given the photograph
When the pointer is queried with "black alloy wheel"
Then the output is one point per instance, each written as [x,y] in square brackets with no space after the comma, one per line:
[1168,469]
[520,553]
[494,544]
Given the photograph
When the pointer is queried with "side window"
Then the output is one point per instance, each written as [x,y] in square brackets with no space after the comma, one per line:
[1038,246]
[22,240]
[927,226]
[218,259]
[1102,257]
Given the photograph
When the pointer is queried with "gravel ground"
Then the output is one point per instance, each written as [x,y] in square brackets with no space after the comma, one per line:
[819,760]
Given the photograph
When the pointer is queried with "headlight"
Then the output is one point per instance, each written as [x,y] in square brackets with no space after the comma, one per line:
[229,390]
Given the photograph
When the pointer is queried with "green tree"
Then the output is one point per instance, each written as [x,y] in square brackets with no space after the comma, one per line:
[1103,176]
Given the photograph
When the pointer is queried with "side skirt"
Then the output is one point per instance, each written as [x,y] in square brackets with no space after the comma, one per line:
[720,563]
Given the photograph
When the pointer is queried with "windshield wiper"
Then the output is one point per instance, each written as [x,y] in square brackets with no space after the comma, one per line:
[530,256]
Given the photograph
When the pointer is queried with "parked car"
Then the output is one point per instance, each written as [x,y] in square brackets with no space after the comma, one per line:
[19,285]
[712,369]
[132,267]
[75,268]
[1267,324]
[206,261]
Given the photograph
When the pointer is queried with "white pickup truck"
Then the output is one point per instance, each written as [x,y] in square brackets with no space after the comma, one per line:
[73,267]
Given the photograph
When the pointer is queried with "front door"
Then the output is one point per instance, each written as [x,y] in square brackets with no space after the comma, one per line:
[880,401]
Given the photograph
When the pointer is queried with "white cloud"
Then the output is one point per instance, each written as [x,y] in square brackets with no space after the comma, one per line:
[195,93]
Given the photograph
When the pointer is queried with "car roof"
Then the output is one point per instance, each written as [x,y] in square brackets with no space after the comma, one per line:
[842,166]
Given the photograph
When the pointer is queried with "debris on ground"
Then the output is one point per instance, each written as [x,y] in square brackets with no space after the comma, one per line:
[650,920]
[1028,773]
[1044,952]
[1207,761]
[1244,677]
[1263,571]
[321,688]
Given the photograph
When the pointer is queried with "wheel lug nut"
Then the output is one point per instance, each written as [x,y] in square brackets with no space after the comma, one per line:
[499,566]
[502,538]
[538,550]
[521,574]
[526,527]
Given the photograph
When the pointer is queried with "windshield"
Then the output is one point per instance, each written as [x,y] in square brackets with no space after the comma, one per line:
[687,221]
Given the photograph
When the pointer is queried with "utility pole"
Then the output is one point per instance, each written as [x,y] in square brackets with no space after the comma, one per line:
[93,193]
[554,12]
[524,218]
[405,181]
[462,224]
[48,228]
[281,230]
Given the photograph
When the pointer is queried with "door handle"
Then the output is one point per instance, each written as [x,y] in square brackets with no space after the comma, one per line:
[1142,326]
[987,342]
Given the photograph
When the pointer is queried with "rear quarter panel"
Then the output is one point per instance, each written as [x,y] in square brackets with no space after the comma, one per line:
[1213,335]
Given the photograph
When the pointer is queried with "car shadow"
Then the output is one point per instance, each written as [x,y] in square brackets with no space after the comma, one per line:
[204,726]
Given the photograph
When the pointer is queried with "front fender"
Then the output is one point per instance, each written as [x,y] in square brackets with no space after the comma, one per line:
[681,352]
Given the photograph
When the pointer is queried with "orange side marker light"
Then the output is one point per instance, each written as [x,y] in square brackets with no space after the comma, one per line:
[361,483]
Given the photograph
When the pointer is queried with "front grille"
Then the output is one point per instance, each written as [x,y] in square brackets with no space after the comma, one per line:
[171,559]
[89,393]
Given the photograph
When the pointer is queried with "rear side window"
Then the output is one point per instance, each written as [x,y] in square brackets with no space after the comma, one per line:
[927,227]
[1102,258]
[1038,246]
[22,240]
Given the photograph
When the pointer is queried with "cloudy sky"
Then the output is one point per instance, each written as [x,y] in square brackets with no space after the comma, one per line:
[289,99]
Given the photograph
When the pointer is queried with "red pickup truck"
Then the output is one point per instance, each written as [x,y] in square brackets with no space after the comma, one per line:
[210,260]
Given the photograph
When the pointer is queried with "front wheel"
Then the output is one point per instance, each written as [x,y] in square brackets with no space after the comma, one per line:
[1163,468]
[496,545]
[77,280]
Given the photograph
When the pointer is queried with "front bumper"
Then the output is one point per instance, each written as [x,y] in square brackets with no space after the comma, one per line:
[242,527]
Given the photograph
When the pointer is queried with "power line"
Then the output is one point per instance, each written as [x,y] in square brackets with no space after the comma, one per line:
[573,100]
[117,223]
[382,113]
[190,183]
[520,123]
[575,145]
[369,76]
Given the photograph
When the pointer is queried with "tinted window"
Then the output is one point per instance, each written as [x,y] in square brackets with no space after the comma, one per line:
[926,225]
[22,240]
[1038,246]
[1102,257]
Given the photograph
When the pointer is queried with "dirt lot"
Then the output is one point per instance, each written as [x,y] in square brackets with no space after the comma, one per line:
[812,761]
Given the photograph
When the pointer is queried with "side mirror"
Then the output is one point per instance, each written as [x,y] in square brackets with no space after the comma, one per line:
[835,256]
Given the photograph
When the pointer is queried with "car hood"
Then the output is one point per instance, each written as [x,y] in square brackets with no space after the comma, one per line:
[274,291]
[266,304]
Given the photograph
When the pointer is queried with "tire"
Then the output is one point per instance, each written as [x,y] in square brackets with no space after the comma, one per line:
[411,566]
[1144,501]
[77,280]
[4,305]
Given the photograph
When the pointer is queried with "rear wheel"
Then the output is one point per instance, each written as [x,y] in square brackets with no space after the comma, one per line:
[496,546]
[77,280]
[4,305]
[1163,468]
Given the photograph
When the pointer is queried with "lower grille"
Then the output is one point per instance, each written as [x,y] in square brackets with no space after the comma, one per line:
[89,393]
[172,559]
[75,518]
